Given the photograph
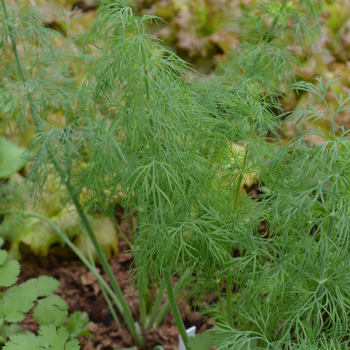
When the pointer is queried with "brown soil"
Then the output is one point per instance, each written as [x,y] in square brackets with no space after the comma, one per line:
[79,288]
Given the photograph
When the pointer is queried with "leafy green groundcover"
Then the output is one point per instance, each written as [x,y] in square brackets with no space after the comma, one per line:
[49,310]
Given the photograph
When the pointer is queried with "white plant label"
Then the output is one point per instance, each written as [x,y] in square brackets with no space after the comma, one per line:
[191,332]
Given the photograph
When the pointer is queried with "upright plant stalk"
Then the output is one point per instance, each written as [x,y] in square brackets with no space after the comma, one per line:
[174,308]
[229,314]
[127,315]
[320,291]
[142,303]
[220,302]
[105,295]
[126,240]
[166,306]
[273,24]
[155,309]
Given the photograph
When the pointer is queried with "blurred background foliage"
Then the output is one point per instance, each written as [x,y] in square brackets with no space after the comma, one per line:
[199,31]
[202,32]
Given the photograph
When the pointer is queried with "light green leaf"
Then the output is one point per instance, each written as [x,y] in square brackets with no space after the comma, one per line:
[52,309]
[18,300]
[11,159]
[9,272]
[202,341]
[49,338]
[77,323]
[206,340]
[12,329]
[15,316]
[106,235]
[23,341]
[58,340]
[40,238]
[46,286]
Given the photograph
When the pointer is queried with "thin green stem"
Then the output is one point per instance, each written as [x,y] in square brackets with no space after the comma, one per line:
[155,309]
[174,309]
[145,70]
[229,279]
[111,308]
[126,240]
[274,23]
[131,223]
[229,301]
[268,38]
[243,168]
[220,302]
[178,289]
[105,295]
[13,42]
[142,302]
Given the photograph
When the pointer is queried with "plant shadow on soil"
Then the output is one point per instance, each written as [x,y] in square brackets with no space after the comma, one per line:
[79,288]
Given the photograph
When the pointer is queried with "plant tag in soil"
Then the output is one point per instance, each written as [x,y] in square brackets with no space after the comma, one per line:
[191,332]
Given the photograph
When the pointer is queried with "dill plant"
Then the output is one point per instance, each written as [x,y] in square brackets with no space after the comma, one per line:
[176,148]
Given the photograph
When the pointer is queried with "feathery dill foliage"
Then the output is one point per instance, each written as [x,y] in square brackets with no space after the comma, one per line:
[177,150]
[149,134]
[274,37]
[37,82]
[297,297]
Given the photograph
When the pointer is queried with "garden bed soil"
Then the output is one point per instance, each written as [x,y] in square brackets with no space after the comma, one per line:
[79,288]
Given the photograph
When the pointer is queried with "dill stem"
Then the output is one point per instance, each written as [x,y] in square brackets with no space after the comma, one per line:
[145,71]
[105,295]
[273,25]
[151,320]
[126,240]
[239,183]
[131,223]
[229,279]
[174,308]
[229,300]
[220,302]
[127,315]
[165,308]
[111,308]
[142,303]
[324,240]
